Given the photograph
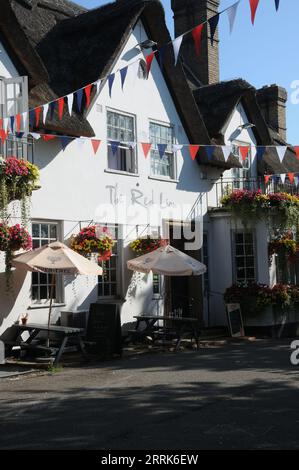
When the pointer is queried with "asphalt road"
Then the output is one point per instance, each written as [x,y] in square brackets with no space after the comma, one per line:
[237,396]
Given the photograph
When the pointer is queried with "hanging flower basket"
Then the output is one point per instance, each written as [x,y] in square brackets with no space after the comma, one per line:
[144,245]
[4,237]
[94,239]
[284,246]
[13,239]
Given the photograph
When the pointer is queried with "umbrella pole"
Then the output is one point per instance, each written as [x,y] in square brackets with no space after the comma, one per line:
[50,307]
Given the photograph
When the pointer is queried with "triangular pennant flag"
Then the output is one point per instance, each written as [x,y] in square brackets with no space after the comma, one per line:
[60,107]
[149,59]
[210,150]
[296,148]
[176,48]
[47,137]
[267,178]
[123,74]
[110,83]
[227,150]
[281,151]
[25,120]
[276,4]
[177,147]
[19,135]
[291,177]
[146,148]
[161,55]
[18,122]
[87,91]
[114,146]
[45,113]
[193,149]
[161,149]
[231,13]
[244,152]
[283,178]
[80,142]
[52,109]
[196,33]
[64,141]
[37,115]
[79,96]
[260,152]
[132,145]
[35,135]
[213,21]
[95,144]
[296,180]
[12,123]
[253,7]
[70,102]
[5,123]
[98,85]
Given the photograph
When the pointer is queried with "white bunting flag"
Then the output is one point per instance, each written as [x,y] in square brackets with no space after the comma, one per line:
[296,180]
[177,147]
[283,178]
[46,109]
[35,135]
[80,142]
[70,101]
[231,13]
[176,48]
[25,121]
[132,145]
[281,151]
[98,85]
[5,124]
[227,150]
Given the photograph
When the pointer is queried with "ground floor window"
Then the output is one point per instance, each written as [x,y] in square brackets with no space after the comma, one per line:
[244,256]
[108,285]
[44,233]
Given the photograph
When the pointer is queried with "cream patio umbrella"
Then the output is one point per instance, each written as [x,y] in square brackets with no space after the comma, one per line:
[56,258]
[167,261]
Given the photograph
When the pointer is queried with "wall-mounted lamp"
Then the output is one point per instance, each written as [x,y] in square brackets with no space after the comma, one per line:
[247,125]
[147,44]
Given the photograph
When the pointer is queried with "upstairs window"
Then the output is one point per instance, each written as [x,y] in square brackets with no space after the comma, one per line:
[13,96]
[162,166]
[241,176]
[121,128]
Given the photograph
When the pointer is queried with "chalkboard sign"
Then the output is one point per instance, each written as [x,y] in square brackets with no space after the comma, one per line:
[235,320]
[104,329]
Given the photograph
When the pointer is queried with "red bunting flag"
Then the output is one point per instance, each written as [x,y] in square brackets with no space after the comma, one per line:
[196,33]
[95,144]
[87,90]
[296,148]
[3,136]
[291,177]
[37,115]
[18,122]
[253,6]
[193,149]
[149,59]
[47,137]
[60,107]
[244,152]
[267,178]
[146,148]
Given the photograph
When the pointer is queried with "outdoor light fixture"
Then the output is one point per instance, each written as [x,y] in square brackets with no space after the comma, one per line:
[247,125]
[147,44]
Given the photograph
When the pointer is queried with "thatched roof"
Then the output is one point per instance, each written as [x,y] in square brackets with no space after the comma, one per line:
[217,103]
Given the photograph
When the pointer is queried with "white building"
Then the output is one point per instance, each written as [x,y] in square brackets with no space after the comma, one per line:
[68,48]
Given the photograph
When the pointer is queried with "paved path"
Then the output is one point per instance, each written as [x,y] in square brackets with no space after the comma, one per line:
[231,397]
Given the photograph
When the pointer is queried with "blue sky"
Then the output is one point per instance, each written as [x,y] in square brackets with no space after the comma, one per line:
[263,54]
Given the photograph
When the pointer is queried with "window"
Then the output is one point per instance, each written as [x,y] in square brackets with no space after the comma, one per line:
[157,285]
[108,282]
[43,234]
[13,96]
[164,166]
[241,176]
[121,128]
[244,257]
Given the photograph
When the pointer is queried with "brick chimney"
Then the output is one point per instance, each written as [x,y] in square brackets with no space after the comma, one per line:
[187,15]
[272,101]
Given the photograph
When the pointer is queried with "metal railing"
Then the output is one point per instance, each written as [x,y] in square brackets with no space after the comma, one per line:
[225,186]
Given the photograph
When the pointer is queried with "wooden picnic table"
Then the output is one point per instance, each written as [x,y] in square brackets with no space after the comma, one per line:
[178,326]
[64,335]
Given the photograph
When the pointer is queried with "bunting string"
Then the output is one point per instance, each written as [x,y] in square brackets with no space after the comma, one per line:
[39,114]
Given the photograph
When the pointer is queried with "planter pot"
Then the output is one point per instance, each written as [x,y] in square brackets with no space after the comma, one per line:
[264,318]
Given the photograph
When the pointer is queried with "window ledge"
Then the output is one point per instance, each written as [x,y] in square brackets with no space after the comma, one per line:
[120,172]
[47,306]
[160,178]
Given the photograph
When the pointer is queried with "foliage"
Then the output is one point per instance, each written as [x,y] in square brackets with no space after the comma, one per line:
[93,239]
[281,209]
[284,246]
[254,298]
[144,245]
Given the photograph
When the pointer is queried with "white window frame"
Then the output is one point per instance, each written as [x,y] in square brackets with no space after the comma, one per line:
[118,271]
[122,146]
[242,175]
[167,152]
[235,256]
[59,281]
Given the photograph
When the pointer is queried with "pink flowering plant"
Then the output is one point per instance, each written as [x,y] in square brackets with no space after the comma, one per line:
[94,239]
[13,239]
